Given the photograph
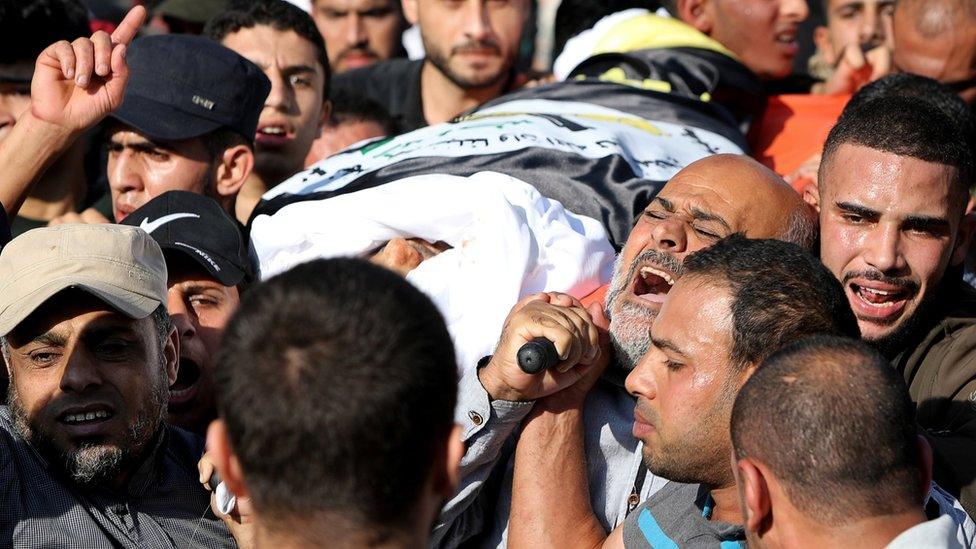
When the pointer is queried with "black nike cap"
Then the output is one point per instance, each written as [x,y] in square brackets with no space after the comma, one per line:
[198,227]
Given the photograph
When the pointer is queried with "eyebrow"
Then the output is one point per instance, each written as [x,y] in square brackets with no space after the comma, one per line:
[142,146]
[298,68]
[54,339]
[666,345]
[926,222]
[665,203]
[862,211]
[702,215]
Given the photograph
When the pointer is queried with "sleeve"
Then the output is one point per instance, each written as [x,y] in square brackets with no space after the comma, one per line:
[949,418]
[487,425]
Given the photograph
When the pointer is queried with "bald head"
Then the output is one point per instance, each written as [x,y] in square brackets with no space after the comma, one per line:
[753,199]
[852,450]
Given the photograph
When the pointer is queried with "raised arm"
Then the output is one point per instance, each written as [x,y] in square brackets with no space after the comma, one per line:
[75,85]
[550,491]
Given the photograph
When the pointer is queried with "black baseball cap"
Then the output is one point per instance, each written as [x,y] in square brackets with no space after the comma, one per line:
[182,86]
[197,226]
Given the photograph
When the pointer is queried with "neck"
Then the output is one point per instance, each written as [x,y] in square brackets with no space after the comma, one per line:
[442,99]
[310,536]
[870,533]
[60,190]
[249,196]
[726,508]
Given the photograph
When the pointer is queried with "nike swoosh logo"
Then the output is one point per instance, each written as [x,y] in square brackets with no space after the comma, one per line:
[150,226]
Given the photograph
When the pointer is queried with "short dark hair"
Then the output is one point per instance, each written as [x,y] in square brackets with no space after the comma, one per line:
[904,126]
[27,28]
[780,293]
[337,381]
[277,14]
[349,107]
[834,422]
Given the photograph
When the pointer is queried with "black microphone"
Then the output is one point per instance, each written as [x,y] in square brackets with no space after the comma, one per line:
[537,356]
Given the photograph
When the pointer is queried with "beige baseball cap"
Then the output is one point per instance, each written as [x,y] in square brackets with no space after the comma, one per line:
[120,265]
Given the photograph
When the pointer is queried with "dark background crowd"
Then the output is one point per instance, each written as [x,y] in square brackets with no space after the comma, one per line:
[273,273]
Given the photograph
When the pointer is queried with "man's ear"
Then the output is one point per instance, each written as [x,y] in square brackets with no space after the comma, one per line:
[924,465]
[757,511]
[235,166]
[811,195]
[696,13]
[171,352]
[410,11]
[221,453]
[967,227]
[447,475]
[821,38]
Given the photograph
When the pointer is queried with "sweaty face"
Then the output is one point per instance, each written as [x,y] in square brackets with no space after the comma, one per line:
[358,32]
[762,33]
[949,56]
[294,109]
[140,169]
[686,384]
[889,228]
[200,308]
[14,95]
[88,385]
[705,202]
[474,43]
[864,22]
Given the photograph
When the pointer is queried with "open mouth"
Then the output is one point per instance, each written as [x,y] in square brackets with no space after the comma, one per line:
[185,387]
[86,416]
[652,284]
[878,302]
[272,135]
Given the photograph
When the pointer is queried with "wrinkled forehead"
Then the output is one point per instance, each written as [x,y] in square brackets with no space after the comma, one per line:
[70,313]
[745,202]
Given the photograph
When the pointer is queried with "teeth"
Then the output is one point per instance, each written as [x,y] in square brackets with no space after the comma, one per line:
[80,418]
[649,270]
[876,292]
[273,130]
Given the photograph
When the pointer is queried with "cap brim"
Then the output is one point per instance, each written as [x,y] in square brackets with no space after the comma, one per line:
[159,121]
[126,302]
[228,273]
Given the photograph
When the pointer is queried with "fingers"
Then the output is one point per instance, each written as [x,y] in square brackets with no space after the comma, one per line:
[129,26]
[65,55]
[206,469]
[102,43]
[84,61]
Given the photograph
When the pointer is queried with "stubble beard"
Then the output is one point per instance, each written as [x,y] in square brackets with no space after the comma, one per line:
[442,62]
[90,464]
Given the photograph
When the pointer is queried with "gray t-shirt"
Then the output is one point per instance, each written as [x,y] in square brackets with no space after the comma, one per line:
[677,516]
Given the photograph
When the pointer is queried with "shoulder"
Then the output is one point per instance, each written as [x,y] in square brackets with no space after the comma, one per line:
[388,74]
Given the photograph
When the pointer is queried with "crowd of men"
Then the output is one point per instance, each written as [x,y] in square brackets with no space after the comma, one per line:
[783,353]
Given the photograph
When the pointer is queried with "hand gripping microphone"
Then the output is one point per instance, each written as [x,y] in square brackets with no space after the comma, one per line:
[537,356]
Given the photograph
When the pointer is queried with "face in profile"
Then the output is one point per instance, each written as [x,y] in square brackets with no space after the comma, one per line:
[140,169]
[358,32]
[88,385]
[685,385]
[295,108]
[473,43]
[200,308]
[890,227]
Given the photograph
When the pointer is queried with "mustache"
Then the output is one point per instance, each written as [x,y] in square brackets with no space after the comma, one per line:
[659,258]
[646,412]
[358,50]
[477,45]
[876,276]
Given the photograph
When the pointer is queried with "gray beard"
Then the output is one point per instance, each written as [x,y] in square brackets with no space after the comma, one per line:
[91,464]
[630,327]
